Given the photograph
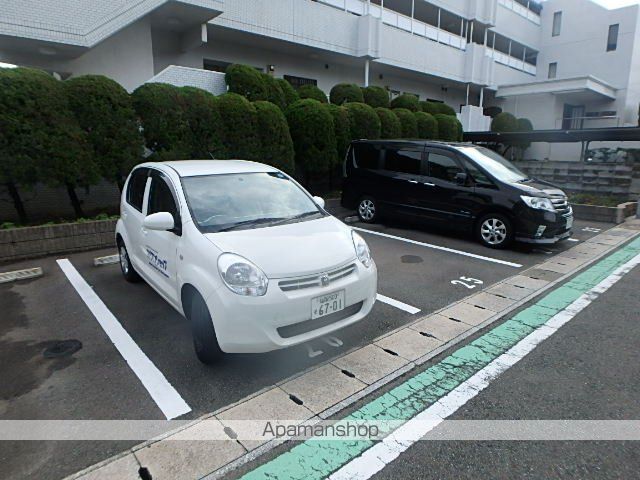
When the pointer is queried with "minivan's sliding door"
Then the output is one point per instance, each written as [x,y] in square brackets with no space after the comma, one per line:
[404,167]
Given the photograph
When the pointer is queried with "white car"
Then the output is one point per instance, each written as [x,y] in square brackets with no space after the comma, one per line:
[244,252]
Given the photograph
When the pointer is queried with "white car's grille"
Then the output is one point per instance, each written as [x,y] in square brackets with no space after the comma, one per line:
[323,279]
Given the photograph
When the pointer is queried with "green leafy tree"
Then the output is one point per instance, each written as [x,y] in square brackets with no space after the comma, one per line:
[376,96]
[313,92]
[345,92]
[276,146]
[312,131]
[275,94]
[427,125]
[202,115]
[407,101]
[290,94]
[239,128]
[160,108]
[504,122]
[408,122]
[447,127]
[363,121]
[390,126]
[105,112]
[247,81]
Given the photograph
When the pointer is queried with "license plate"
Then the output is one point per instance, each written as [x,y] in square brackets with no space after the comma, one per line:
[569,222]
[327,304]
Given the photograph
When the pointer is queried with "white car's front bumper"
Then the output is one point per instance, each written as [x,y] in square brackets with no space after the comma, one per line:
[282,319]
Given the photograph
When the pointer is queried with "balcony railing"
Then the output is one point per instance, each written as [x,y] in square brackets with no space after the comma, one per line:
[510,61]
[521,10]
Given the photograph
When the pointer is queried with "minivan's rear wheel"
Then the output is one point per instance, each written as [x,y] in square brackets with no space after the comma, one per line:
[205,341]
[368,210]
[128,272]
[494,231]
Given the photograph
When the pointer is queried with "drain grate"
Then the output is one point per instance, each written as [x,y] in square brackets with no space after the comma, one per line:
[62,348]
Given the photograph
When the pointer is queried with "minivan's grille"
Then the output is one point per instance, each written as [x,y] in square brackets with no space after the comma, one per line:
[316,280]
[561,204]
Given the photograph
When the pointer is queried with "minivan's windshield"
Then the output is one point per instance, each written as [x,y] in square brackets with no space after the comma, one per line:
[498,166]
[243,201]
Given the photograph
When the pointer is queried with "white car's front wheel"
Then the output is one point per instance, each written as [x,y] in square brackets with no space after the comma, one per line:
[205,341]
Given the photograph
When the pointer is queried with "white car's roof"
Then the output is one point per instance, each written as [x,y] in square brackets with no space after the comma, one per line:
[192,168]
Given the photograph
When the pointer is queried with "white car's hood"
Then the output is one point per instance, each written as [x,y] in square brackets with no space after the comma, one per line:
[291,250]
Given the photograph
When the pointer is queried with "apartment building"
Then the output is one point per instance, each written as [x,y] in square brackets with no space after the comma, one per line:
[561,63]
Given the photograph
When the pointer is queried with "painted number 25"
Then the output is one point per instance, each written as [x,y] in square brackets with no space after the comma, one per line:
[467,282]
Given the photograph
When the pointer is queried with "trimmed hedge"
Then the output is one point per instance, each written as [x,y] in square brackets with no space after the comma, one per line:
[345,92]
[427,126]
[390,126]
[407,101]
[363,120]
[376,97]
[276,146]
[341,128]
[435,108]
[104,110]
[447,127]
[524,125]
[275,94]
[504,122]
[202,115]
[312,92]
[408,122]
[239,136]
[290,94]
[246,81]
[312,132]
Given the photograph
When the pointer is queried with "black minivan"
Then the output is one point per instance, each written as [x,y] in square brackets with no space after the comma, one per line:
[460,185]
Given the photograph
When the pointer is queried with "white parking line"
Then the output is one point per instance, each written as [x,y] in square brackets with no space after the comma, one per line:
[397,304]
[438,247]
[162,392]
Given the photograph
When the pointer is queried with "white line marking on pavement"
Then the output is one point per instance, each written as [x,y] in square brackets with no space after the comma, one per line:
[397,304]
[438,247]
[162,392]
[381,454]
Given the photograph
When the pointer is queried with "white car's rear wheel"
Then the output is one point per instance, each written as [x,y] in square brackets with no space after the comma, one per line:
[128,272]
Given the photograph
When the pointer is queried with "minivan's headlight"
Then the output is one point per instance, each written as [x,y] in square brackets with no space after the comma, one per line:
[241,276]
[538,203]
[362,249]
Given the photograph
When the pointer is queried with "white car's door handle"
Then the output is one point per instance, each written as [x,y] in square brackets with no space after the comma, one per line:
[429,184]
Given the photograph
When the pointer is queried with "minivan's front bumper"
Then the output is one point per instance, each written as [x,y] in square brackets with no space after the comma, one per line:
[543,227]
[282,319]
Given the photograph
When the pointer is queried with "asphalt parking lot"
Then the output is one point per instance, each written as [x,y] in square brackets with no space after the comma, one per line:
[420,271]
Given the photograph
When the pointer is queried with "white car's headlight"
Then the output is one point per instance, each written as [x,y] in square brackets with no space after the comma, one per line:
[362,249]
[538,203]
[241,276]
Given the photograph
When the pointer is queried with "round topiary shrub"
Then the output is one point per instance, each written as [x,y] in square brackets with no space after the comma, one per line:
[524,125]
[239,135]
[312,132]
[504,122]
[460,130]
[390,126]
[408,122]
[275,94]
[313,92]
[408,101]
[246,81]
[345,92]
[376,97]
[342,130]
[104,110]
[202,115]
[290,95]
[435,108]
[276,146]
[363,120]
[447,127]
[427,125]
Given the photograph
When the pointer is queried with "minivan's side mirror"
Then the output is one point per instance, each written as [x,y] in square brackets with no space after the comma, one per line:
[161,221]
[319,201]
[461,178]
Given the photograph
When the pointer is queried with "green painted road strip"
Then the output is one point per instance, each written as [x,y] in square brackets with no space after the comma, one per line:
[318,458]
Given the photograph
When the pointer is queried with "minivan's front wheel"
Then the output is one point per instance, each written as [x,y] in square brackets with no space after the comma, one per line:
[128,272]
[494,231]
[368,210]
[205,341]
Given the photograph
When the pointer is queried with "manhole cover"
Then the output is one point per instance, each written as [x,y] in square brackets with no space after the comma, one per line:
[63,348]
[411,259]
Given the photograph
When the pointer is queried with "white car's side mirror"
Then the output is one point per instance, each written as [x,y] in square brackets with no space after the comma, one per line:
[319,201]
[160,221]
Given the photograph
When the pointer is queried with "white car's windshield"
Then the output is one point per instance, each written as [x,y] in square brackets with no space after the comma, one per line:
[246,200]
[495,164]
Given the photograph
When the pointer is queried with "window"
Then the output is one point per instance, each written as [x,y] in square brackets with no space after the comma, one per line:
[476,174]
[403,161]
[135,188]
[215,65]
[557,24]
[297,82]
[443,167]
[161,199]
[612,38]
[367,156]
[553,70]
